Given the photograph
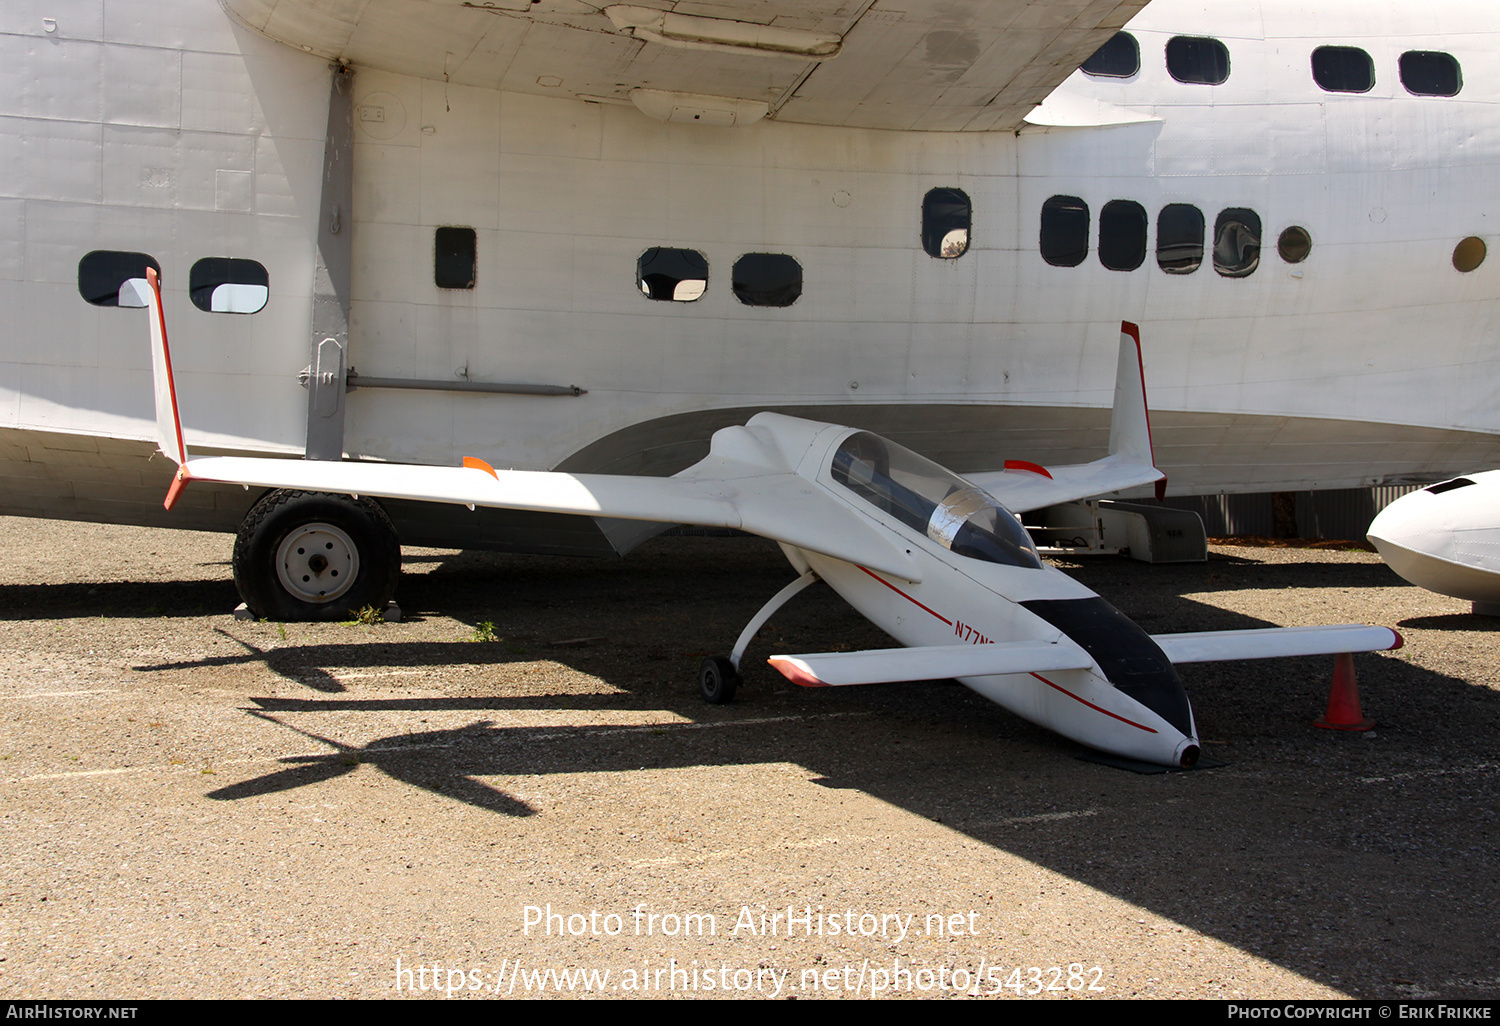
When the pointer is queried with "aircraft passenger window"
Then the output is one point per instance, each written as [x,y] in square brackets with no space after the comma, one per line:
[1065,231]
[102,272]
[946,219]
[1469,254]
[1118,58]
[1179,238]
[1197,59]
[766,279]
[1237,242]
[675,275]
[453,258]
[1343,69]
[1122,235]
[227,285]
[1294,244]
[1430,73]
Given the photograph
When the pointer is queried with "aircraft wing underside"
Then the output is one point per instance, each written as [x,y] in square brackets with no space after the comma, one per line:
[936,65]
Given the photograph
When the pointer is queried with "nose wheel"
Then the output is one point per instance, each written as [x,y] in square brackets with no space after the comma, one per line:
[718,680]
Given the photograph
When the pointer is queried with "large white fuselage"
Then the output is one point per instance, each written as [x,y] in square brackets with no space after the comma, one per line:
[169,129]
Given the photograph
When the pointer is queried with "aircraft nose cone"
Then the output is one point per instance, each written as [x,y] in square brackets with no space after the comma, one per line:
[1419,522]
[1133,663]
[1445,538]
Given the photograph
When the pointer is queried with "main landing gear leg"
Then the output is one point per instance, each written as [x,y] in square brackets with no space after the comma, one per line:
[719,677]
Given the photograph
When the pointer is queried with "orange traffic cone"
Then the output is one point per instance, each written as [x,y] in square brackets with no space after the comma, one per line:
[1343,699]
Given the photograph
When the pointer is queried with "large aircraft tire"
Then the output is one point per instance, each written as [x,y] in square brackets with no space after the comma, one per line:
[314,556]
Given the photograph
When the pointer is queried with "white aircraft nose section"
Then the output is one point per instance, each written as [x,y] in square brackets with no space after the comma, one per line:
[1445,538]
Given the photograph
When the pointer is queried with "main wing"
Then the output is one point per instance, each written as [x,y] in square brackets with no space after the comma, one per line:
[928,65]
[745,482]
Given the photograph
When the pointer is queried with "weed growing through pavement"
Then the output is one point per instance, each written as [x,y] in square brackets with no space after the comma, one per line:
[366,616]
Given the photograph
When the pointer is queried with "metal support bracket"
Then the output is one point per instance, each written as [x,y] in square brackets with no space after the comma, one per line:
[331,279]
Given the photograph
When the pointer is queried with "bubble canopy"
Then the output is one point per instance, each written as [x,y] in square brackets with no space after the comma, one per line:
[932,500]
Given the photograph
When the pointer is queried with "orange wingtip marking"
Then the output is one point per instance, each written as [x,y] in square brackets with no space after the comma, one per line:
[794,673]
[1035,468]
[179,484]
[475,463]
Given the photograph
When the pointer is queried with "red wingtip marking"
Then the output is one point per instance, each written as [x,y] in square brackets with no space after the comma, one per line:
[154,280]
[475,463]
[1035,468]
[1161,489]
[795,673]
[1399,640]
[1132,330]
[179,484]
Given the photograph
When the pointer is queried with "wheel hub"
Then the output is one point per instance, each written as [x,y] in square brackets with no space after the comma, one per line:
[317,563]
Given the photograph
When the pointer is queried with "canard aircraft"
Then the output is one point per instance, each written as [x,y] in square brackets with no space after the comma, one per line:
[645,222]
[934,559]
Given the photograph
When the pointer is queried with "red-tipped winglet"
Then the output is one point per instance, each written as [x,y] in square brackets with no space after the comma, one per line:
[168,420]
[1121,436]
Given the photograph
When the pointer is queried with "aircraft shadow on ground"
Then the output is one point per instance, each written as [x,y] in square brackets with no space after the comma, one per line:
[1452,622]
[1366,862]
[116,599]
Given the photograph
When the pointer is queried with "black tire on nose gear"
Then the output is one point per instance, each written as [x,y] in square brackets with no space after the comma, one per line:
[315,556]
[717,680]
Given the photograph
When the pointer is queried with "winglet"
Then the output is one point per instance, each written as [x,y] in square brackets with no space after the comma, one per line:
[1130,426]
[168,421]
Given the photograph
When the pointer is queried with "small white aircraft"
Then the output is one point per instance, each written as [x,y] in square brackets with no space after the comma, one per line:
[932,558]
[1446,538]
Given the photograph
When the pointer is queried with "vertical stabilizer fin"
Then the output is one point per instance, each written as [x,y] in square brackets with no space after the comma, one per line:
[168,421]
